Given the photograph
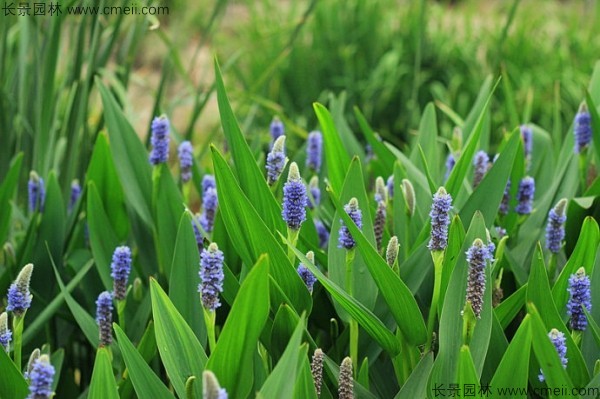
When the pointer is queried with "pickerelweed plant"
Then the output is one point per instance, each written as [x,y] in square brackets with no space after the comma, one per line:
[238,292]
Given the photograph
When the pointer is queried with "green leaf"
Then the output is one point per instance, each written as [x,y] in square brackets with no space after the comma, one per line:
[181,353]
[595,123]
[232,359]
[251,237]
[510,307]
[103,239]
[305,385]
[382,152]
[513,370]
[427,139]
[103,385]
[336,157]
[145,382]
[130,156]
[103,173]
[416,384]
[277,384]
[467,375]
[183,283]
[7,193]
[12,383]
[365,318]
[251,179]
[402,304]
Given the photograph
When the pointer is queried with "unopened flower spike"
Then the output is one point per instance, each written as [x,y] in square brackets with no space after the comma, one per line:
[36,191]
[315,192]
[276,161]
[210,202]
[391,253]
[582,128]
[211,276]
[560,344]
[390,187]
[379,223]
[579,298]
[346,382]
[41,378]
[160,140]
[555,229]
[314,148]
[380,190]
[480,163]
[19,297]
[121,267]
[35,355]
[5,333]
[440,220]
[345,239]
[294,199]
[476,257]
[276,129]
[323,234]
[186,159]
[75,194]
[409,196]
[305,274]
[525,196]
[211,388]
[316,369]
[104,317]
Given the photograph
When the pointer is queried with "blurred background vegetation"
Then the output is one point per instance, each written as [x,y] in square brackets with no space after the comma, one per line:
[387,57]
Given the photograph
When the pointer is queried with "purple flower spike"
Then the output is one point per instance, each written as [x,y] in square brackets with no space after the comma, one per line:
[276,161]
[36,191]
[440,220]
[104,310]
[210,202]
[159,140]
[560,344]
[5,333]
[525,196]
[121,267]
[582,129]
[313,150]
[315,192]
[504,204]
[555,229]
[75,194]
[477,256]
[527,136]
[197,232]
[208,181]
[41,378]
[305,274]
[19,297]
[345,239]
[294,199]
[211,276]
[450,162]
[276,129]
[579,297]
[186,158]
[390,186]
[480,162]
[323,234]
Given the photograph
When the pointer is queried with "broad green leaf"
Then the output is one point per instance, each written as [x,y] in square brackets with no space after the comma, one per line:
[365,318]
[146,384]
[336,157]
[427,139]
[12,383]
[103,385]
[251,237]
[583,255]
[467,375]
[130,156]
[232,359]
[277,384]
[416,384]
[513,370]
[382,152]
[103,239]
[168,206]
[147,349]
[103,173]
[456,239]
[251,179]
[181,353]
[184,280]
[508,308]
[305,385]
[398,297]
[7,192]
[363,286]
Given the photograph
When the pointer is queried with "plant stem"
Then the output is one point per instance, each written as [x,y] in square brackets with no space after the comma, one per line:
[353,324]
[18,339]
[121,313]
[292,236]
[438,260]
[209,319]
[582,171]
